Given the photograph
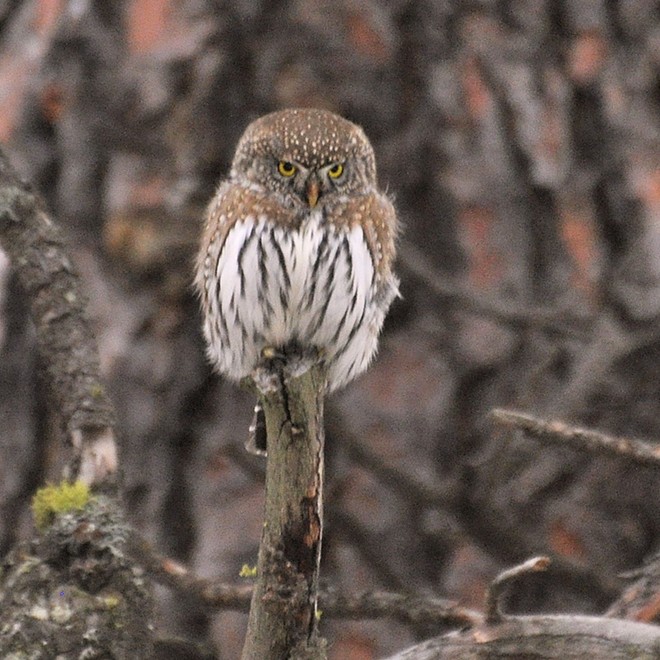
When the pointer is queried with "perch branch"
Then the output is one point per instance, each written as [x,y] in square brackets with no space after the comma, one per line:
[582,439]
[65,341]
[283,613]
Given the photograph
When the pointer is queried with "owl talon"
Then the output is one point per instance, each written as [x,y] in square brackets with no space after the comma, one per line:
[271,353]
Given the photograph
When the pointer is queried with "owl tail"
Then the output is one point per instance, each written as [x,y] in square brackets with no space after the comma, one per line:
[256,440]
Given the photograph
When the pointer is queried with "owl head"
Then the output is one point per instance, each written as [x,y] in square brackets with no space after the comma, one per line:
[308,155]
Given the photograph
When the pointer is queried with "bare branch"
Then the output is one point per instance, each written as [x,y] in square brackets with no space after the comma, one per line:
[64,338]
[597,637]
[405,608]
[209,593]
[640,601]
[283,614]
[582,439]
[501,583]
[570,637]
[214,594]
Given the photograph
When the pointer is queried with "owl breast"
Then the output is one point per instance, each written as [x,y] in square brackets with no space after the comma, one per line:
[270,285]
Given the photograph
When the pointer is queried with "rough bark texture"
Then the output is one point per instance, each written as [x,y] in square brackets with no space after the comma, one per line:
[75,592]
[520,142]
[65,342]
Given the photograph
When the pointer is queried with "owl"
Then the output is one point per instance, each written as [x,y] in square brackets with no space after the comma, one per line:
[297,248]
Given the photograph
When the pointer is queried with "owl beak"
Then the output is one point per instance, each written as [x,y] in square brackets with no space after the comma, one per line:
[312,190]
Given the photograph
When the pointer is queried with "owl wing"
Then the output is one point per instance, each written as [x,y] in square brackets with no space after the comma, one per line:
[377,216]
[233,203]
[225,270]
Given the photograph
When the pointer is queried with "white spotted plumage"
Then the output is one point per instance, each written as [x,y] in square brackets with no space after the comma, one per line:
[296,257]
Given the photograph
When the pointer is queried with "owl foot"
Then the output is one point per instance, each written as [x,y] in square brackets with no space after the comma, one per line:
[272,353]
[292,355]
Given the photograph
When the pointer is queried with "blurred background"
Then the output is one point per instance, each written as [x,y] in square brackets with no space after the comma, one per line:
[519,140]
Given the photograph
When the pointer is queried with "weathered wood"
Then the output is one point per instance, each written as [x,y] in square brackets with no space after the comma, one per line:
[567,637]
[283,614]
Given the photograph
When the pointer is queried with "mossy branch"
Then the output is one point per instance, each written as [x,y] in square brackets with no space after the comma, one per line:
[52,500]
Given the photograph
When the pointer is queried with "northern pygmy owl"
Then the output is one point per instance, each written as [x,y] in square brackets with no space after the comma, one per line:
[298,246]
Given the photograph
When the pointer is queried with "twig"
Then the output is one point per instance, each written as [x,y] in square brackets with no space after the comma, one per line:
[560,433]
[168,572]
[502,582]
[415,610]
[65,340]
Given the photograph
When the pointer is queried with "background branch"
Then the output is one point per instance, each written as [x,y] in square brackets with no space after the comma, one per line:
[529,198]
[640,601]
[540,636]
[579,438]
[569,637]
[74,590]
[215,594]
[65,341]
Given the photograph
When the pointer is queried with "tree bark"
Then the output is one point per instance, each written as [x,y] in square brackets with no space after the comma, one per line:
[65,340]
[74,591]
[283,614]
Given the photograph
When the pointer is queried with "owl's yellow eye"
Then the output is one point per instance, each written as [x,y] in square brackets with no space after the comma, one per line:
[336,171]
[285,168]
